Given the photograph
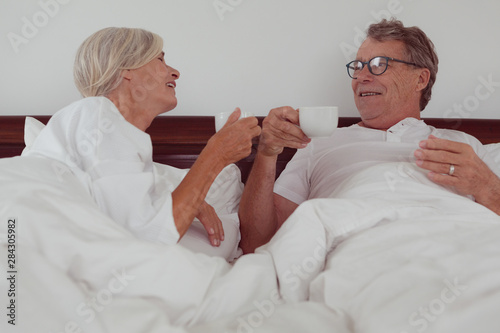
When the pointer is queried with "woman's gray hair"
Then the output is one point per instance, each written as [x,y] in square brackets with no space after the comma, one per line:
[105,54]
[418,48]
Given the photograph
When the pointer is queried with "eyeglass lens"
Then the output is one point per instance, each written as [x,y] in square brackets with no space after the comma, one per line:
[376,66]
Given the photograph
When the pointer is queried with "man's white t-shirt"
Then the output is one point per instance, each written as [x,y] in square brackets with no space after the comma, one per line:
[317,170]
[113,159]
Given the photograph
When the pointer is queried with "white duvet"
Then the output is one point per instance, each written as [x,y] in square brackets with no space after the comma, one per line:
[376,258]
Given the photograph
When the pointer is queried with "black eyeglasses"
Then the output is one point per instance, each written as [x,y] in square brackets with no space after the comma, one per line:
[376,66]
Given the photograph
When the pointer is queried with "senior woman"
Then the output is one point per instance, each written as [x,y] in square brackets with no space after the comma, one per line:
[125,82]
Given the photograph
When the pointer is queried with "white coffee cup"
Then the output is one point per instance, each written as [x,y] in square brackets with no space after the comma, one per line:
[221,118]
[318,121]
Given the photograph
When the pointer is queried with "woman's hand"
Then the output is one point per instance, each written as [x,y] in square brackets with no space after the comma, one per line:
[234,140]
[212,223]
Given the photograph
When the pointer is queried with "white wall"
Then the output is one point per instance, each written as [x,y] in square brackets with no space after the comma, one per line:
[256,54]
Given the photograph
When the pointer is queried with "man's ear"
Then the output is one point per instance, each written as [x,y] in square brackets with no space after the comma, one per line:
[423,78]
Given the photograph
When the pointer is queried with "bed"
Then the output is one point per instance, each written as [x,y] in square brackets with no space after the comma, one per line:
[366,261]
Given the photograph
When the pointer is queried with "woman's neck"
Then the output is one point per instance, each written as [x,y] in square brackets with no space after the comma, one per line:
[131,111]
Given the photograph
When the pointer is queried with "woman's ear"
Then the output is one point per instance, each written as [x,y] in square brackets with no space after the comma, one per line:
[126,74]
[423,79]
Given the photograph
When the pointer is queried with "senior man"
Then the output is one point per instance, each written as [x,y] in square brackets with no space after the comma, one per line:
[392,79]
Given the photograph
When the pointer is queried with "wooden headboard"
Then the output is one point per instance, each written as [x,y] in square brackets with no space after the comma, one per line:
[177,140]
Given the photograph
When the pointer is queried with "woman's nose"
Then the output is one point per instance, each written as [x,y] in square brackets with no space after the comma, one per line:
[175,73]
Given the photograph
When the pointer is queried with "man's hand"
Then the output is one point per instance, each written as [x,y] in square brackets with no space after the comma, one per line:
[280,129]
[470,176]
[212,223]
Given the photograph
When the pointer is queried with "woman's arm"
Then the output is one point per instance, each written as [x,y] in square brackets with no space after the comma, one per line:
[232,143]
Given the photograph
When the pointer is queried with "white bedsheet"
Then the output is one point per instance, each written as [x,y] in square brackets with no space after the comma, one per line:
[395,262]
[373,259]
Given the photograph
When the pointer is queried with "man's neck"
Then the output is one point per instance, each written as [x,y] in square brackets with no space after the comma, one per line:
[383,126]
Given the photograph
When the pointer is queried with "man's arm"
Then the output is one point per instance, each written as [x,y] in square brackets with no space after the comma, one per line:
[258,220]
[471,176]
[260,214]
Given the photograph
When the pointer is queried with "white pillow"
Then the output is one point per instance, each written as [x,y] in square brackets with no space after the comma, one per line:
[494,150]
[32,127]
[224,195]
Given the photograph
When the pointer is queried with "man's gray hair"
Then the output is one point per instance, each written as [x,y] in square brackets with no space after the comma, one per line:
[418,48]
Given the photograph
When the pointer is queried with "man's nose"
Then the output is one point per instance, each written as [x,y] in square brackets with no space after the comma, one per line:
[364,74]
